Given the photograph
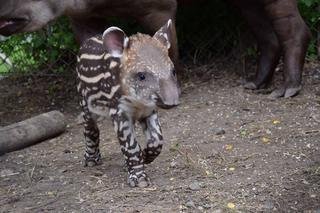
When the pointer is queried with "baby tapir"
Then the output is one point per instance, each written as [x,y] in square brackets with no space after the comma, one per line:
[130,76]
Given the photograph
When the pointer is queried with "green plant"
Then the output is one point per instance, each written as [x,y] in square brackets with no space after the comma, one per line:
[310,11]
[51,48]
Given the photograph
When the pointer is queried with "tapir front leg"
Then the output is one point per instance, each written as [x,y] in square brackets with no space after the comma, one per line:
[130,148]
[152,130]
[294,37]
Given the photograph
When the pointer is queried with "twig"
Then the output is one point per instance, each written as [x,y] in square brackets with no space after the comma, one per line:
[42,205]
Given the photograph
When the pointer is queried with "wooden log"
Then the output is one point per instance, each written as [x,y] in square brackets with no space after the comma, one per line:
[31,131]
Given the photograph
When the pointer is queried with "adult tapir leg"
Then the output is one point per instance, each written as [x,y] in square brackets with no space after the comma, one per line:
[294,36]
[268,44]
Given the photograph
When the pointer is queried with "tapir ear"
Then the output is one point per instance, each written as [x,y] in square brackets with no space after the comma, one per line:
[115,41]
[164,34]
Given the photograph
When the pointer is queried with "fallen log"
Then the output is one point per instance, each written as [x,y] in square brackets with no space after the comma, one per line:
[31,131]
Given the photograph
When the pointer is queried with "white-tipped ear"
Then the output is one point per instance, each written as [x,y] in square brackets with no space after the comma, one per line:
[115,41]
[164,34]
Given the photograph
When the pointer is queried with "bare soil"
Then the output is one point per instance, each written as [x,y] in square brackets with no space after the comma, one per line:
[227,149]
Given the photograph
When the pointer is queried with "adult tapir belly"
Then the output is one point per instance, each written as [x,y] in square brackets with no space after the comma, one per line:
[276,24]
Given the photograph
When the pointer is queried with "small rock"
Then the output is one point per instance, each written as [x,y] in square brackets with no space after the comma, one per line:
[220,132]
[63,170]
[195,186]
[67,151]
[200,208]
[217,211]
[190,204]
[268,205]
[98,173]
[173,164]
[207,206]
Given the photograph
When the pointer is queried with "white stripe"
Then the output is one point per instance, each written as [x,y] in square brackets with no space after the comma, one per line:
[123,124]
[96,40]
[112,111]
[92,57]
[95,79]
[113,90]
[125,132]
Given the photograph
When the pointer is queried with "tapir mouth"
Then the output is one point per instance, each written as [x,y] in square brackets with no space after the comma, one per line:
[9,26]
[165,105]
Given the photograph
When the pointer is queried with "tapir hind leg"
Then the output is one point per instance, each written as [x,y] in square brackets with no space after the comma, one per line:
[268,44]
[294,36]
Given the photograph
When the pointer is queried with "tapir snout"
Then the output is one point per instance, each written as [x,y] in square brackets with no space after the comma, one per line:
[169,93]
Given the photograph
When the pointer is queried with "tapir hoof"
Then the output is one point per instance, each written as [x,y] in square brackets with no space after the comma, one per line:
[142,181]
[90,162]
[285,92]
[277,93]
[293,91]
[250,85]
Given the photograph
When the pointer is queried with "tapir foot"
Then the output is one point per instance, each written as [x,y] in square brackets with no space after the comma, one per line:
[250,85]
[253,85]
[140,181]
[93,161]
[285,92]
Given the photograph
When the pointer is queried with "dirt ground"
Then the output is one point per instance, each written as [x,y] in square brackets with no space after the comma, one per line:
[227,150]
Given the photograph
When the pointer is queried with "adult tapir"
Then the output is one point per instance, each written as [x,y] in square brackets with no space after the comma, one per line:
[276,24]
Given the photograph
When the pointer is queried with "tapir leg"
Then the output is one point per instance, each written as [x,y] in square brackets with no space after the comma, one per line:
[268,44]
[294,36]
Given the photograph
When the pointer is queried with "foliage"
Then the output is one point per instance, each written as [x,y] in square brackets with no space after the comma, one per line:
[310,11]
[51,48]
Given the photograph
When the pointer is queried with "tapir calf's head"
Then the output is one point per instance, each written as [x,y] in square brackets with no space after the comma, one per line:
[147,73]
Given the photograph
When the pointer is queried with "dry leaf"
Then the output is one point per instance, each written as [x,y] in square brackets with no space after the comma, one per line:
[229,147]
[265,139]
[276,122]
[231,205]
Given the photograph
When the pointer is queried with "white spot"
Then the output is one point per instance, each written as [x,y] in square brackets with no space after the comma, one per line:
[113,64]
[112,111]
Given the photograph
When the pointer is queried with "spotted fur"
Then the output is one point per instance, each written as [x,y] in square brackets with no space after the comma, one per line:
[110,82]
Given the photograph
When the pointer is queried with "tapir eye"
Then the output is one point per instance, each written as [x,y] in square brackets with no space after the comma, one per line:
[141,76]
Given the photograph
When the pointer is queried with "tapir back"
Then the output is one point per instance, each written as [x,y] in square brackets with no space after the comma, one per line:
[98,76]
